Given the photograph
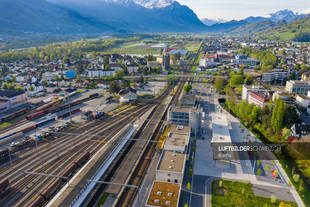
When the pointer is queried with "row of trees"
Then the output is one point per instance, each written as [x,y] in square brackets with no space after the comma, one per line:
[269,120]
[64,51]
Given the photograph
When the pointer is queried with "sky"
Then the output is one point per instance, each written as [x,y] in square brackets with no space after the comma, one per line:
[239,9]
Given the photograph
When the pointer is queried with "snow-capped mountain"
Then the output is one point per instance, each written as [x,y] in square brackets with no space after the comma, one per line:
[96,16]
[286,15]
[154,3]
[210,22]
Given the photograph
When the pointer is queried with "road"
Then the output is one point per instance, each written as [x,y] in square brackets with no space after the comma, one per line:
[206,169]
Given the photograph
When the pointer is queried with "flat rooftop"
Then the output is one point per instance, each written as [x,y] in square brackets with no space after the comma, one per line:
[180,129]
[179,109]
[171,161]
[220,130]
[177,140]
[164,195]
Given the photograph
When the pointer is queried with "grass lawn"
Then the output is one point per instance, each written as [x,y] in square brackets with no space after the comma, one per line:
[238,194]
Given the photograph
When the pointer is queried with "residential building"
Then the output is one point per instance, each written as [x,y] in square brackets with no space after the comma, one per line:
[244,60]
[11,99]
[258,99]
[132,68]
[164,194]
[299,87]
[305,76]
[100,73]
[170,167]
[207,61]
[275,75]
[303,100]
[246,90]
[224,57]
[166,61]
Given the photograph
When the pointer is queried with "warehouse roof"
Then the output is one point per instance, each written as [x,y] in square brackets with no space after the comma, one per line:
[10,93]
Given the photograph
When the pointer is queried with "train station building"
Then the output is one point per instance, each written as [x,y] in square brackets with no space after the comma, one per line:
[164,194]
[178,138]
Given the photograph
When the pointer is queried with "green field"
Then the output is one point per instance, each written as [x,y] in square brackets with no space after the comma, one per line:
[238,194]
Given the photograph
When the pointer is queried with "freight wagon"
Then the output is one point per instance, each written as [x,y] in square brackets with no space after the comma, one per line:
[68,113]
[47,194]
[15,114]
[3,185]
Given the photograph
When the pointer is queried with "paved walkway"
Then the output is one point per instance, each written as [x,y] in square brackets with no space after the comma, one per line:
[206,169]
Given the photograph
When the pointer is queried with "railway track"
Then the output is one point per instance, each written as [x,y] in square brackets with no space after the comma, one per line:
[24,188]
[54,160]
[128,195]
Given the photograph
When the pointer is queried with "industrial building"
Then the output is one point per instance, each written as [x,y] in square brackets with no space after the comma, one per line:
[11,99]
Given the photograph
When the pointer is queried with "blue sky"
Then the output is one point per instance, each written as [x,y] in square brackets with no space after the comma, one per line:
[238,9]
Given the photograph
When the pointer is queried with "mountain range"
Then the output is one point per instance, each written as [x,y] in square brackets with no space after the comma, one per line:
[123,16]
[96,16]
[253,24]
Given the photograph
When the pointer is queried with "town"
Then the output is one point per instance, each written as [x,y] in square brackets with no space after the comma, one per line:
[136,122]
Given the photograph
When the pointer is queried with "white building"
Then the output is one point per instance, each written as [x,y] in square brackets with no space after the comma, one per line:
[128,95]
[299,87]
[12,99]
[275,75]
[186,116]
[100,73]
[246,90]
[303,100]
[170,167]
[178,138]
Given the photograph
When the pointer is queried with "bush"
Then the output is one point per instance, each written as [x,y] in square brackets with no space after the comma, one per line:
[273,199]
[188,186]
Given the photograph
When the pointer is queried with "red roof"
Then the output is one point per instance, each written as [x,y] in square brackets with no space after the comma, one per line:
[210,56]
[168,49]
[260,97]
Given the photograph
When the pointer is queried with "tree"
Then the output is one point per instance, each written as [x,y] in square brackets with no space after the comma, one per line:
[273,199]
[119,74]
[126,83]
[31,88]
[249,79]
[219,84]
[188,186]
[106,60]
[278,115]
[255,113]
[5,86]
[187,88]
[286,133]
[177,56]
[114,87]
[296,178]
[236,80]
